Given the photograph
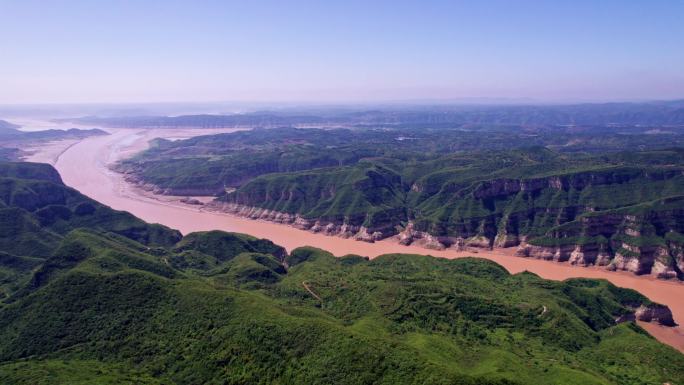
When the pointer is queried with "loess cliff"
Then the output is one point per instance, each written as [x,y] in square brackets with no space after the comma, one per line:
[622,217]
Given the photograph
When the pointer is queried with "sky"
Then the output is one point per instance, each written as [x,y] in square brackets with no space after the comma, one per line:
[62,51]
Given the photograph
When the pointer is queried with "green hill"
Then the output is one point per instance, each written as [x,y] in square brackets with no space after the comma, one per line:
[206,165]
[474,186]
[103,304]
[37,212]
[534,197]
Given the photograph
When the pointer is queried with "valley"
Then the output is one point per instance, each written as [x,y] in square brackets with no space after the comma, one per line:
[580,194]
[341,193]
[85,166]
[89,294]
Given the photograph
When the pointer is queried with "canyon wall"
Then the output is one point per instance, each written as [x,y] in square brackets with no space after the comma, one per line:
[586,218]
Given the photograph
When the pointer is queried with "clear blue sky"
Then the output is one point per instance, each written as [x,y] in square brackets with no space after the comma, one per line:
[332,51]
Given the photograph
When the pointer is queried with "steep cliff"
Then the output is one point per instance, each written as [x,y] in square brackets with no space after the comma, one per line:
[588,215]
[365,202]
[644,239]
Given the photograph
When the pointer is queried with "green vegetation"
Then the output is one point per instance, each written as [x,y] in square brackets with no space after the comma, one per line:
[552,199]
[206,165]
[38,212]
[481,186]
[100,304]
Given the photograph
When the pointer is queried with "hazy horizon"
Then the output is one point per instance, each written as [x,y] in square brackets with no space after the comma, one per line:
[76,51]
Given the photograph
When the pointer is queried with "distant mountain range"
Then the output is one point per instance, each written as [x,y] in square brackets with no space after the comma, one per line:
[12,139]
[9,131]
[7,126]
[669,113]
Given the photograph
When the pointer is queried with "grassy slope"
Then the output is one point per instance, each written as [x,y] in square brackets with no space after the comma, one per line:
[223,308]
[36,212]
[397,319]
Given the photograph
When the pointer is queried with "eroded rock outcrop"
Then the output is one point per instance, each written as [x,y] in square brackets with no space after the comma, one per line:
[344,229]
[409,235]
[646,242]
[613,241]
[655,313]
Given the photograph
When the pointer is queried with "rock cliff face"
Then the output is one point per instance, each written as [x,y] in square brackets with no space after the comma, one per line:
[575,181]
[609,248]
[661,261]
[655,313]
[644,240]
[344,229]
[409,235]
[365,204]
[585,218]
